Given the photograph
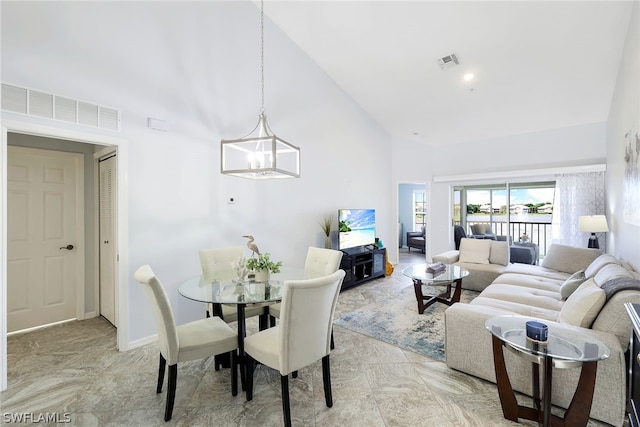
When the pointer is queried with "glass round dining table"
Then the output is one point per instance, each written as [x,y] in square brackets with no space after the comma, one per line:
[240,293]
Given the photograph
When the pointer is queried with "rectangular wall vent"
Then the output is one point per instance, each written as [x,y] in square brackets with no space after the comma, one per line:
[41,104]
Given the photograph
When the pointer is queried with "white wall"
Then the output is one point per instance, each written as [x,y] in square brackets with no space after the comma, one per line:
[624,116]
[196,65]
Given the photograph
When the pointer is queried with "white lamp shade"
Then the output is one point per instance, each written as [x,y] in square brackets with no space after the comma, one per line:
[593,224]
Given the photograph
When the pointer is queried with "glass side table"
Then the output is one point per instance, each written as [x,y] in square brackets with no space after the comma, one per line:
[566,347]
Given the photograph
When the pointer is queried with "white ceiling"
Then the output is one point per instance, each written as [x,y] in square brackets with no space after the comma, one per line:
[538,64]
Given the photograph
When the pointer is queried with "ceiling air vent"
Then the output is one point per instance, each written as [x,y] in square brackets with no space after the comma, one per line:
[448,61]
[46,105]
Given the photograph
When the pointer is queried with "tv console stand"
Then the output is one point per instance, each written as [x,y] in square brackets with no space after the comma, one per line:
[362,264]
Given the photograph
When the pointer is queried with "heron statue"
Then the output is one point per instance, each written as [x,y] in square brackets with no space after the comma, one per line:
[252,246]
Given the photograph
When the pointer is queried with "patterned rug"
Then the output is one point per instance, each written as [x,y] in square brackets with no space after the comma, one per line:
[398,322]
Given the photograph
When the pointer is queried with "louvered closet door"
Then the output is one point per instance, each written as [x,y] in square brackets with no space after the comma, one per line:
[108,306]
[44,206]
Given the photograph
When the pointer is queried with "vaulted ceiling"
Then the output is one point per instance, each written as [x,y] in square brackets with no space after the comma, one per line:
[537,65]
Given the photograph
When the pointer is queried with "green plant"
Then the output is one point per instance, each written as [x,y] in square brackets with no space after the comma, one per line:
[326,225]
[263,262]
[344,226]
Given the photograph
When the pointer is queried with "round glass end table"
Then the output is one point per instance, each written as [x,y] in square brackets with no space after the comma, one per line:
[450,275]
[566,347]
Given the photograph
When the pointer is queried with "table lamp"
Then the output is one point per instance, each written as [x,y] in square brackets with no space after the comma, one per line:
[593,224]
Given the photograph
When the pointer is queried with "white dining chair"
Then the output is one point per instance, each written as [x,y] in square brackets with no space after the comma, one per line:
[217,265]
[302,336]
[191,341]
[319,262]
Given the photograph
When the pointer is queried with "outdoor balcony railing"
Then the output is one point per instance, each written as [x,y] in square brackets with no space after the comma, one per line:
[537,232]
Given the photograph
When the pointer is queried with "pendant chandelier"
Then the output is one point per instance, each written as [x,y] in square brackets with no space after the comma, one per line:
[260,154]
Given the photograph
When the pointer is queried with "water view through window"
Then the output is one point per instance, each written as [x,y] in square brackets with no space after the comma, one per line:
[523,211]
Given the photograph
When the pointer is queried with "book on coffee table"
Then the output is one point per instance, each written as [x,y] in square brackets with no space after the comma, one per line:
[435,268]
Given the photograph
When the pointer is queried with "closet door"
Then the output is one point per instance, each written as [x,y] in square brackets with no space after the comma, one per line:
[108,256]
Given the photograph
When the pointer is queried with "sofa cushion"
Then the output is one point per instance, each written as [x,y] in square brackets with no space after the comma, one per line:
[511,307]
[572,283]
[529,281]
[475,251]
[535,298]
[499,252]
[583,305]
[448,257]
[598,263]
[537,271]
[569,259]
[609,272]
[480,275]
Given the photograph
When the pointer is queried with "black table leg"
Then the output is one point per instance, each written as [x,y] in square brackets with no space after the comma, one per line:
[546,397]
[242,332]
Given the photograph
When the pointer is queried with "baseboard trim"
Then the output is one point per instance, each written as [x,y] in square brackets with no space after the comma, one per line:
[143,341]
[35,328]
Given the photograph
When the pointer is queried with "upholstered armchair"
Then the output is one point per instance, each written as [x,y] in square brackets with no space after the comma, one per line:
[482,231]
[416,239]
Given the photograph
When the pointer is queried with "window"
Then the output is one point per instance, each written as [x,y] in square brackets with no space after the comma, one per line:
[518,211]
[419,209]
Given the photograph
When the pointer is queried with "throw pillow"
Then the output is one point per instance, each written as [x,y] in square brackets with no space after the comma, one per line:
[475,251]
[583,305]
[569,259]
[572,283]
[499,252]
[598,263]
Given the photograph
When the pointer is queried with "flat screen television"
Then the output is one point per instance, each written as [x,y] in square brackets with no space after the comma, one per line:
[356,227]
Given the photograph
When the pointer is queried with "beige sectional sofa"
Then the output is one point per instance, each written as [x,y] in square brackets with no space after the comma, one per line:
[536,291]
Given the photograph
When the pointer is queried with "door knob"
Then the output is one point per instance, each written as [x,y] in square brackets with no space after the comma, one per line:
[68,247]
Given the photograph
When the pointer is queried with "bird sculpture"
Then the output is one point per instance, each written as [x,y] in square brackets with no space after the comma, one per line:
[252,246]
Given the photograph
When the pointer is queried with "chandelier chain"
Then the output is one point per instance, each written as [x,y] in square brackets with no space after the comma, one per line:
[262,54]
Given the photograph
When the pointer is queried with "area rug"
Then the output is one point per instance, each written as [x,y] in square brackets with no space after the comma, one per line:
[397,322]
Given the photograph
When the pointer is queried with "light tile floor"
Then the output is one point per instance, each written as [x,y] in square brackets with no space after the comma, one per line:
[75,369]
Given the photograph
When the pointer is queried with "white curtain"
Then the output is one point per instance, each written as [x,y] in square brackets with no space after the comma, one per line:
[577,195]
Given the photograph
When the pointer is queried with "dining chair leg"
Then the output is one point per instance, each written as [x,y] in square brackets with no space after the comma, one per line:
[326,379]
[161,368]
[171,393]
[234,373]
[249,366]
[294,374]
[286,408]
[333,345]
[263,322]
[272,321]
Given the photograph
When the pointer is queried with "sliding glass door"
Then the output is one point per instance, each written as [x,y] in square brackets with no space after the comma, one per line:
[516,212]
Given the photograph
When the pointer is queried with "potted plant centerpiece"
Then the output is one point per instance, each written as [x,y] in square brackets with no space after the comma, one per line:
[262,266]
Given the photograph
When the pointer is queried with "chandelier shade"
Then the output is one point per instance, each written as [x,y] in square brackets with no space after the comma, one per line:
[260,154]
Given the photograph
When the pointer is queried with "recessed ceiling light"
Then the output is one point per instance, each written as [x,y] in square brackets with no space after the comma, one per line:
[468,77]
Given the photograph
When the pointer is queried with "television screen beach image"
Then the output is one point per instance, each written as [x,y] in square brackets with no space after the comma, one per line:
[357,227]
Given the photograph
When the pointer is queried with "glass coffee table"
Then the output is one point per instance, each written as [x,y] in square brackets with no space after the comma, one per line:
[566,347]
[420,276]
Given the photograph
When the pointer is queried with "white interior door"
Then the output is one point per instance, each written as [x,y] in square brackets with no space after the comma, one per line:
[108,306]
[44,210]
